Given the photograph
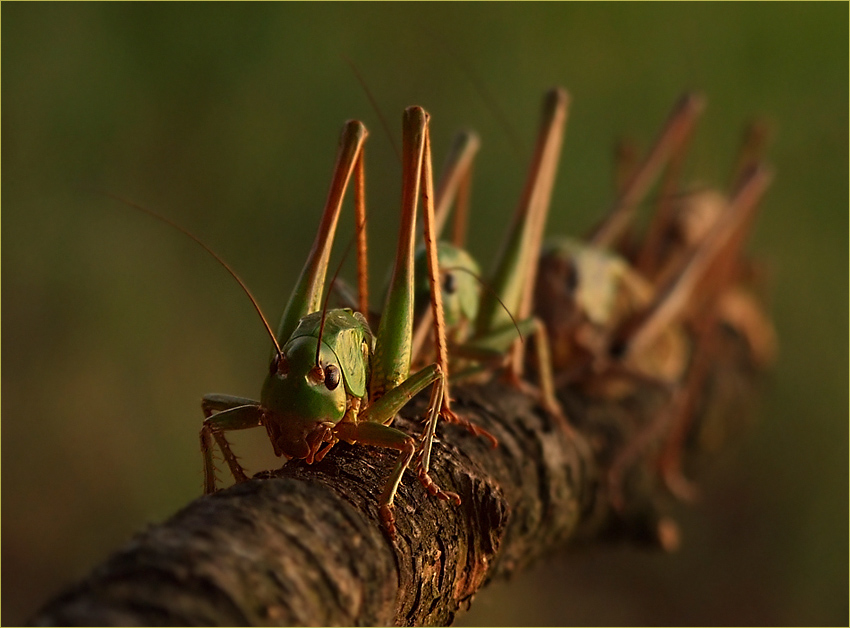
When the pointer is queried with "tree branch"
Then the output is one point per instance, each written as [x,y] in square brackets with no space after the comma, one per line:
[304,546]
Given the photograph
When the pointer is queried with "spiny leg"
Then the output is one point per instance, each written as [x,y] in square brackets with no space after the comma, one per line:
[441,402]
[625,163]
[435,292]
[453,188]
[755,139]
[543,361]
[393,350]
[670,459]
[521,248]
[549,142]
[739,309]
[235,418]
[371,430]
[369,433]
[360,227]
[516,264]
[438,390]
[430,232]
[461,215]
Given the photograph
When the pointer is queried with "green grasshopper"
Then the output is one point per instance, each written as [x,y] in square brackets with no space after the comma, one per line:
[480,324]
[330,378]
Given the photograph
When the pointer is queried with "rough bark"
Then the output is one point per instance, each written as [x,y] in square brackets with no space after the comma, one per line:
[303,545]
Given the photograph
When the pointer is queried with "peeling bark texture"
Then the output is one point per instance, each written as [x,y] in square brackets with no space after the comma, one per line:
[303,545]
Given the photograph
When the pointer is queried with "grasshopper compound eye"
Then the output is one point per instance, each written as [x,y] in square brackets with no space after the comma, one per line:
[571,279]
[449,284]
[316,375]
[279,365]
[331,376]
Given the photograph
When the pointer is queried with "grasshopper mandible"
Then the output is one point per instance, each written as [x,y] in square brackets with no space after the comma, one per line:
[330,378]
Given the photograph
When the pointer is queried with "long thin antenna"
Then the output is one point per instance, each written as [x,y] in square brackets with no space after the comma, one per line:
[328,294]
[491,103]
[215,256]
[374,104]
[489,289]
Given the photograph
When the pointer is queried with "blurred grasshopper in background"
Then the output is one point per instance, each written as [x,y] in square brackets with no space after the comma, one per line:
[612,321]
[722,294]
[683,221]
[483,325]
[585,290]
[330,378]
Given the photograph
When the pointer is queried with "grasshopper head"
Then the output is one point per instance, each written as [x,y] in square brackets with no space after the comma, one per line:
[459,276]
[302,399]
[577,285]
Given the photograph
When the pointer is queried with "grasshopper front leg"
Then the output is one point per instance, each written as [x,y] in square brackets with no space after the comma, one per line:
[389,437]
[372,429]
[222,414]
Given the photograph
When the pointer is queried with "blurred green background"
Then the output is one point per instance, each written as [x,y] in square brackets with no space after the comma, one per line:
[225,117]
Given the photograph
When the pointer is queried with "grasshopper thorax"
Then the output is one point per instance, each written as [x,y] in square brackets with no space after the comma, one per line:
[587,281]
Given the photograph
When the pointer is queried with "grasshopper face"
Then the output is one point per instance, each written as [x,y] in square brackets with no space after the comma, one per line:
[459,274]
[579,286]
[584,294]
[302,400]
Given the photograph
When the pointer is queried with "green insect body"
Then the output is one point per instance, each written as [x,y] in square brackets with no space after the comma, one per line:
[330,378]
[585,291]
